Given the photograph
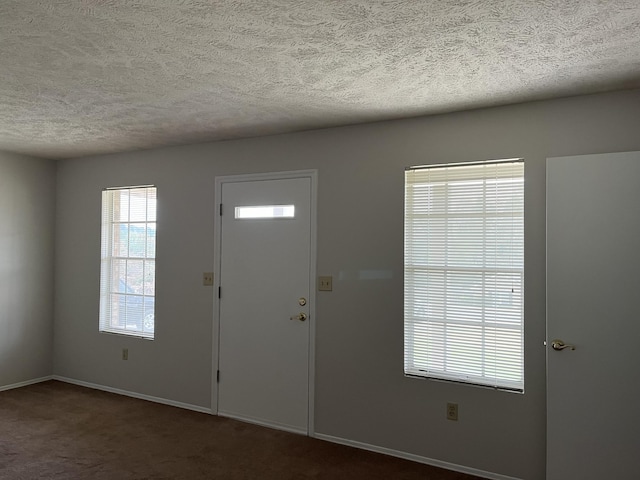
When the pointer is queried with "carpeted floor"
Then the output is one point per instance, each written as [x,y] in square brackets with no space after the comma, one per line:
[54,430]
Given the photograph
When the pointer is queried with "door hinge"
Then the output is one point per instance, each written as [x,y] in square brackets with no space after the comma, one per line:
[218,376]
[220,209]
[219,292]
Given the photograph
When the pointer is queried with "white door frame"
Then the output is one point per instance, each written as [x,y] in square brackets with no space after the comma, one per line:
[217,243]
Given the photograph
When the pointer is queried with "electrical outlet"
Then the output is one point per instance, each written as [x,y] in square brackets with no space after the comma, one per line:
[125,354]
[452,411]
[207,279]
[325,284]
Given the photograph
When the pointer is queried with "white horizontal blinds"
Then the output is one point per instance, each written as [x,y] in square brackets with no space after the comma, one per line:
[127,287]
[464,252]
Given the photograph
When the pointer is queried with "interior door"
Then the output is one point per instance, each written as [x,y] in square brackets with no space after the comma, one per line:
[593,283]
[265,280]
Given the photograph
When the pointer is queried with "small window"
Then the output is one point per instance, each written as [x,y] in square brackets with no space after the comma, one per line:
[128,266]
[463,273]
[265,211]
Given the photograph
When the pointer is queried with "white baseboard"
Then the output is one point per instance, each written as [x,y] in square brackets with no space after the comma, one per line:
[25,383]
[414,458]
[164,401]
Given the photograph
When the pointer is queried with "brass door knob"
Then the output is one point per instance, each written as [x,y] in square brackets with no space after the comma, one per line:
[301,316]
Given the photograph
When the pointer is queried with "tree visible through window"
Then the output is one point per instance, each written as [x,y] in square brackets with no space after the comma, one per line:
[463,273]
[127,280]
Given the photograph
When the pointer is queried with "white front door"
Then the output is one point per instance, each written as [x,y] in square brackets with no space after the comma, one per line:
[265,300]
[593,286]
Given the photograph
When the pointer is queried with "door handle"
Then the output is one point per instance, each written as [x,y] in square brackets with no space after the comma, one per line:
[301,316]
[558,344]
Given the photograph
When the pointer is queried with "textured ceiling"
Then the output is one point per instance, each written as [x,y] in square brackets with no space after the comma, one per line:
[84,77]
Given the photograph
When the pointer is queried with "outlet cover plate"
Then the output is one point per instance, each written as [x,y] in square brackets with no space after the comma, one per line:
[452,411]
[325,284]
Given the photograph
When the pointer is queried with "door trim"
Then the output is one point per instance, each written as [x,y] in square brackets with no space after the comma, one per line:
[217,244]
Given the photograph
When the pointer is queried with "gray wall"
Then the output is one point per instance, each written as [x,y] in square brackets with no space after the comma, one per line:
[27,214]
[361,393]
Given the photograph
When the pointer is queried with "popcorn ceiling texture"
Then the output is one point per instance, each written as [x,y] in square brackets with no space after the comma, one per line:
[87,77]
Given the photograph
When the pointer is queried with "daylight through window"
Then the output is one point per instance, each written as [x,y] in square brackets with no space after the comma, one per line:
[127,280]
[463,273]
[265,211]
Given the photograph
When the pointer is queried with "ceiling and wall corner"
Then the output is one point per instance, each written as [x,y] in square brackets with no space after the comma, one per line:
[81,78]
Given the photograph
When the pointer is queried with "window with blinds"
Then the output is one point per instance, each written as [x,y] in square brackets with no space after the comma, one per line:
[128,267]
[463,273]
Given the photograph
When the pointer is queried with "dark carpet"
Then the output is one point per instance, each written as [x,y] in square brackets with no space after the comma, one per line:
[54,430]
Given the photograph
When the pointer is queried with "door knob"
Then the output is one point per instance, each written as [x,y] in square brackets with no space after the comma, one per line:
[301,316]
[560,345]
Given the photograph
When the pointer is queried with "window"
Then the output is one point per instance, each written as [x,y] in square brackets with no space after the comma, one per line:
[265,211]
[463,273]
[127,271]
